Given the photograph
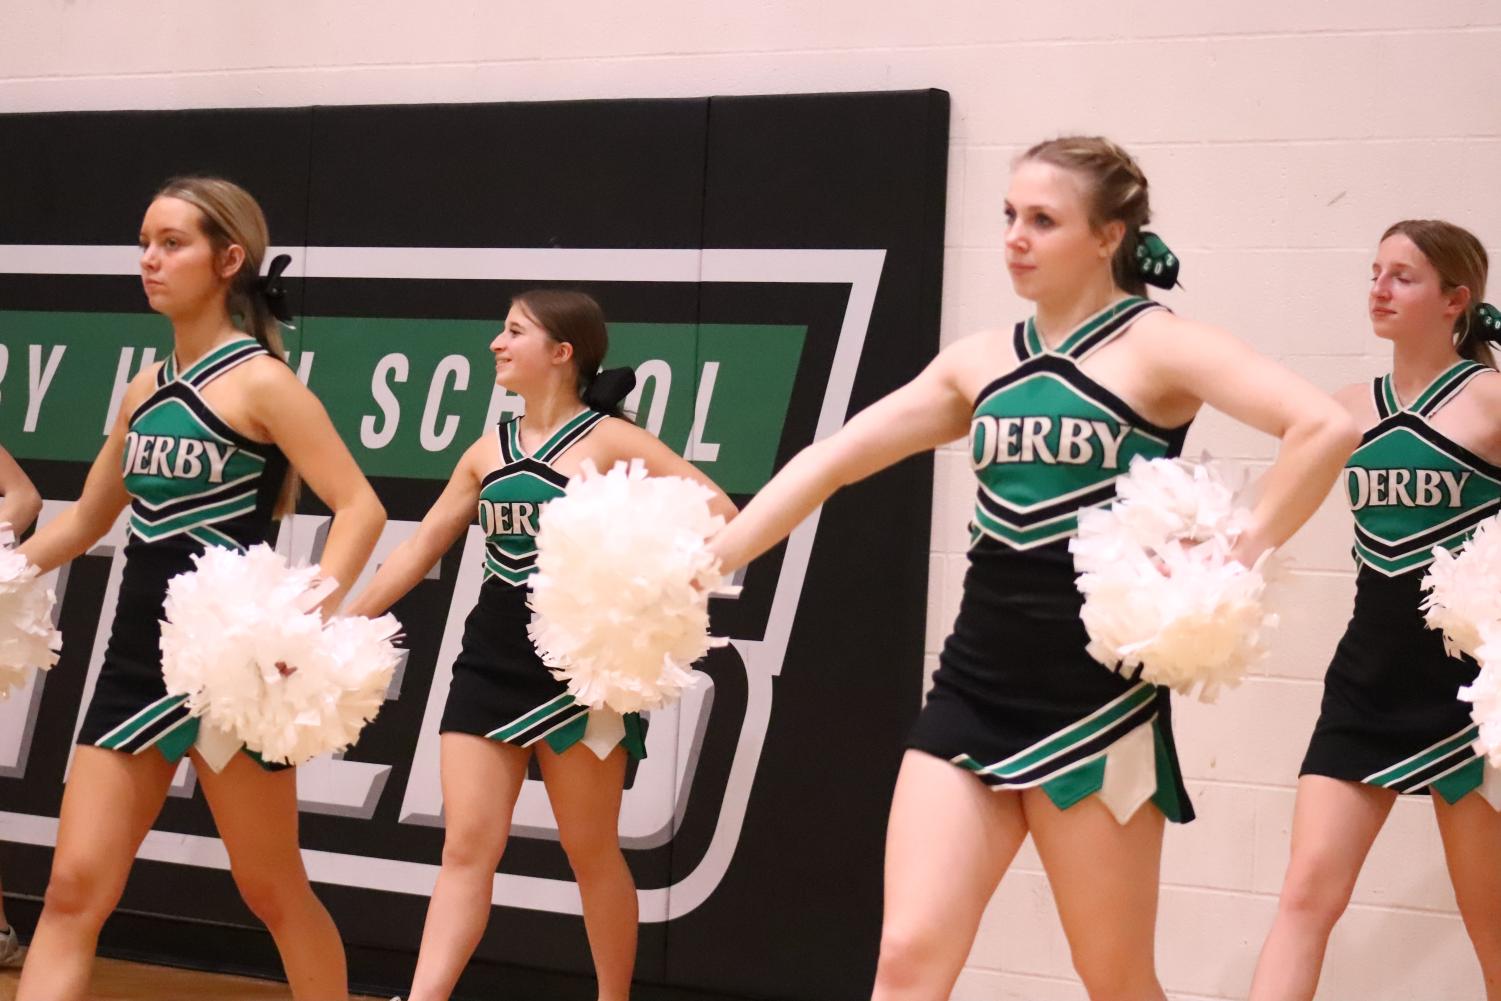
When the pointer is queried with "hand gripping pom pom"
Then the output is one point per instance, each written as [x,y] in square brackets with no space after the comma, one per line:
[1464,589]
[621,592]
[27,638]
[241,641]
[1161,591]
[1464,602]
[1484,693]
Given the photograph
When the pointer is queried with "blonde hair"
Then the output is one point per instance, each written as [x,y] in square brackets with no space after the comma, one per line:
[230,216]
[1115,189]
[1460,260]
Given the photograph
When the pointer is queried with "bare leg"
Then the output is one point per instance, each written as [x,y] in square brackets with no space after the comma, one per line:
[1334,825]
[481,781]
[90,864]
[948,843]
[256,813]
[1471,831]
[585,793]
[1104,877]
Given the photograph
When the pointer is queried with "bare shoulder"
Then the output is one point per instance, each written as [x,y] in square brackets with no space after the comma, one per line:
[1357,401]
[1189,354]
[618,437]
[268,373]
[140,388]
[1163,328]
[1354,397]
[1486,389]
[482,455]
[971,362]
[973,348]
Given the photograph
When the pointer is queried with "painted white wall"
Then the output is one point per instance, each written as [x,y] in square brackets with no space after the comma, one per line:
[1280,138]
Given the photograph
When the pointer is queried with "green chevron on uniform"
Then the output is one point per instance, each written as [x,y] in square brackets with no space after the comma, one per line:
[1046,440]
[512,497]
[185,468]
[1409,486]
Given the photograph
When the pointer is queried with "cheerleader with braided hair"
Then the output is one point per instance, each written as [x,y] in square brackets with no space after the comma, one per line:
[1025,733]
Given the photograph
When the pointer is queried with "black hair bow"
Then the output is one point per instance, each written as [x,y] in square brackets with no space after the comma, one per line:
[271,288]
[609,388]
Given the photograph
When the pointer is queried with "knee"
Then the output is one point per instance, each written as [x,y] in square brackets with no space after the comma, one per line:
[272,893]
[910,957]
[80,890]
[591,851]
[1117,978]
[472,847]
[1312,898]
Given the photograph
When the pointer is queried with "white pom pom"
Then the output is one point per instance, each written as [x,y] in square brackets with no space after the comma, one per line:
[1160,589]
[28,640]
[240,640]
[1465,589]
[620,595]
[1485,692]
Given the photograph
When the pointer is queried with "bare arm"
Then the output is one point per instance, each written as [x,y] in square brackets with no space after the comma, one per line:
[925,413]
[444,522]
[1317,433]
[622,441]
[71,533]
[293,418]
[19,501]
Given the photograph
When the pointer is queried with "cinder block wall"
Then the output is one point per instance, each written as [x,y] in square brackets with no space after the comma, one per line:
[1280,139]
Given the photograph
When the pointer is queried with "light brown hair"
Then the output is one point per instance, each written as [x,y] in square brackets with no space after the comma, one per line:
[571,318]
[1460,260]
[229,215]
[1115,189]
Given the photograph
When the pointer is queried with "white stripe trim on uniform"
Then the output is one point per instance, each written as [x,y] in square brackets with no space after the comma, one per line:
[189,718]
[1005,785]
[1078,724]
[139,713]
[533,709]
[558,726]
[1408,787]
[249,492]
[1413,757]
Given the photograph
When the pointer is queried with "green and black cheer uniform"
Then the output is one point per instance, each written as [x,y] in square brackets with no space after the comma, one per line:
[501,689]
[194,482]
[1390,715]
[1016,700]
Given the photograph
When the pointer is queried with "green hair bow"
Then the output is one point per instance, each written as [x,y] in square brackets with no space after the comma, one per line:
[1489,318]
[1156,264]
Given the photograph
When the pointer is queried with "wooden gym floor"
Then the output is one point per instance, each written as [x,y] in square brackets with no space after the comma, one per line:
[117,980]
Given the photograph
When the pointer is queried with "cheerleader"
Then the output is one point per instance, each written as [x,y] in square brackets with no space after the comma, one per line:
[1427,470]
[1023,732]
[504,705]
[202,452]
[19,506]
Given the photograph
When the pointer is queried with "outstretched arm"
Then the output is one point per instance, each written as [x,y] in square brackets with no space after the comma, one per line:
[71,533]
[444,522]
[925,413]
